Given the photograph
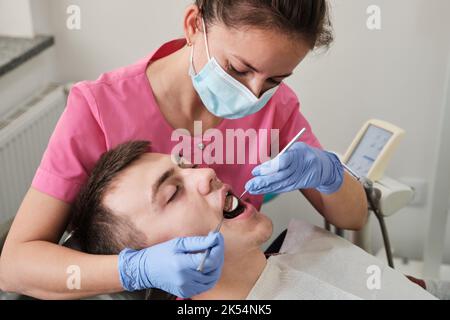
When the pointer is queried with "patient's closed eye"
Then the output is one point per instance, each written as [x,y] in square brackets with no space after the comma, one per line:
[176,187]
[187,166]
[175,191]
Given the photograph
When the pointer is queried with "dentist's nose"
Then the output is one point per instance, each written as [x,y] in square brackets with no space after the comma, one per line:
[207,181]
[256,86]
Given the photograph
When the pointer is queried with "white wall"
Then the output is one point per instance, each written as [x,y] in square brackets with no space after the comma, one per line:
[396,74]
[40,11]
[15,18]
[113,33]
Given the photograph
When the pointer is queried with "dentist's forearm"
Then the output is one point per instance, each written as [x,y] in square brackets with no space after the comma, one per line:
[346,208]
[47,271]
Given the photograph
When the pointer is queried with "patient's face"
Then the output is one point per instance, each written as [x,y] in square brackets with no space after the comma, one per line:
[166,201]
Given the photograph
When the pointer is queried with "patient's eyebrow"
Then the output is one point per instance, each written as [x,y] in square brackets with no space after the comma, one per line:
[166,175]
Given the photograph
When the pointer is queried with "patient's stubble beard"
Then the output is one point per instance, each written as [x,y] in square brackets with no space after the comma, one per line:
[243,265]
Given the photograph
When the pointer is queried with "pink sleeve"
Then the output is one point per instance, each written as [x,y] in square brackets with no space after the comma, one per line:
[75,146]
[293,126]
[292,122]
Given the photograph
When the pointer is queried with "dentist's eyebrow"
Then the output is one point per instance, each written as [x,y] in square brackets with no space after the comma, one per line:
[163,178]
[256,70]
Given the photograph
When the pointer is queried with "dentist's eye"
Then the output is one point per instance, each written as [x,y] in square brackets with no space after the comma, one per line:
[240,73]
[275,82]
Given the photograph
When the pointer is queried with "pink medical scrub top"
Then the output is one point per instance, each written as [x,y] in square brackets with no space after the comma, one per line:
[120,107]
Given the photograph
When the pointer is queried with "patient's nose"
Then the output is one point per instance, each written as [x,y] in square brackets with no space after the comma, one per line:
[206,180]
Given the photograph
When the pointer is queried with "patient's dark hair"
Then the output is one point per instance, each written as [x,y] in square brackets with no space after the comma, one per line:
[308,19]
[96,228]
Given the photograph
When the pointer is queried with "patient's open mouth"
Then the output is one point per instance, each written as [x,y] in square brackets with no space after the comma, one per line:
[233,206]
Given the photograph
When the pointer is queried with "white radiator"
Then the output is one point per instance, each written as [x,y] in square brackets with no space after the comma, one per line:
[24,136]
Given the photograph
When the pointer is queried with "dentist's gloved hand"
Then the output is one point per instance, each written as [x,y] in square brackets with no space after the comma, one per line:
[171,266]
[301,167]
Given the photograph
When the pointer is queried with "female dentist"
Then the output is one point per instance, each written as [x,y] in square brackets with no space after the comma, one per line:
[227,73]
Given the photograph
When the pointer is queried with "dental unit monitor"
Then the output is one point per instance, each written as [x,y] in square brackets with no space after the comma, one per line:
[372,149]
[369,149]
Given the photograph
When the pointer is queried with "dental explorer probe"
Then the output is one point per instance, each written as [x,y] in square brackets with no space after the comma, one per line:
[208,251]
[290,144]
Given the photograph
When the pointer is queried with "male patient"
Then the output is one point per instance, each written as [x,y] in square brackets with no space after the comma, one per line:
[136,199]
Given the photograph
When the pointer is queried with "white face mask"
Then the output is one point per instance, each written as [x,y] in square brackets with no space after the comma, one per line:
[224,96]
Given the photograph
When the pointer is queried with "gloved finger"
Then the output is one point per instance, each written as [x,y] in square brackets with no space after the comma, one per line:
[193,244]
[200,288]
[261,184]
[274,179]
[283,161]
[207,278]
[272,190]
[275,165]
[196,277]
[211,284]
[213,275]
[287,185]
[205,286]
[284,187]
[193,261]
[190,285]
[213,261]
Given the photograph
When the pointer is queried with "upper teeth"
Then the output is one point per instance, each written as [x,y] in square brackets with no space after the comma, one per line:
[231,203]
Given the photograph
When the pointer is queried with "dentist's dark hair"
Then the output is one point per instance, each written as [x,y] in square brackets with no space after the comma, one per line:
[307,19]
[96,228]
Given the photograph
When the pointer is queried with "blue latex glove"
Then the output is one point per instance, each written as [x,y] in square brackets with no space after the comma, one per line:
[301,167]
[171,266]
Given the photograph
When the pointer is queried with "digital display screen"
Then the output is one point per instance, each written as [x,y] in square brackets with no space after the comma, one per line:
[368,149]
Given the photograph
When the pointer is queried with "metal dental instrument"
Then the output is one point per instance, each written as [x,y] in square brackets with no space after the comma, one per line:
[290,144]
[208,251]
